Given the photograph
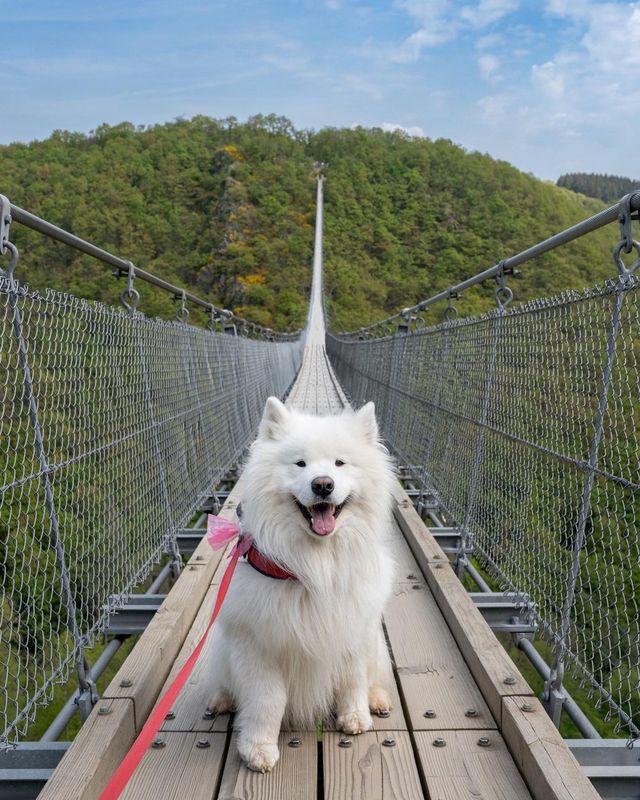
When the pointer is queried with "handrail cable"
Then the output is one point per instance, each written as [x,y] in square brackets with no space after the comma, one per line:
[12,213]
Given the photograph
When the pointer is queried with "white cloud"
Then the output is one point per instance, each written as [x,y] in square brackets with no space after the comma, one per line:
[548,79]
[487,12]
[411,130]
[575,9]
[286,63]
[494,108]
[488,65]
[612,30]
[490,40]
[360,85]
[441,21]
[613,35]
[436,27]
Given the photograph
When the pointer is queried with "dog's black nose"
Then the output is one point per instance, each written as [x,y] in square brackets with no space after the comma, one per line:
[322,486]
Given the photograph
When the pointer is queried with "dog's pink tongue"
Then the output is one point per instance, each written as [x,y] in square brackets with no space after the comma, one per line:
[322,519]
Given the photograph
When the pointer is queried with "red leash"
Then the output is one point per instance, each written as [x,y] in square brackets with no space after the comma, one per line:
[121,776]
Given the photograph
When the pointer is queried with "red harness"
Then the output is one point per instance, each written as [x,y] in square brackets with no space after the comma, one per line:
[267,567]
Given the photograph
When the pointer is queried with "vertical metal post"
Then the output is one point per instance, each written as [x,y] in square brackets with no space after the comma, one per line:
[395,371]
[88,695]
[444,354]
[171,540]
[130,299]
[463,544]
[553,695]
[503,296]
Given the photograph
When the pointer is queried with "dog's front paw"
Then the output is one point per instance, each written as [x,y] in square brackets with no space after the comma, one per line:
[260,757]
[354,722]
[379,701]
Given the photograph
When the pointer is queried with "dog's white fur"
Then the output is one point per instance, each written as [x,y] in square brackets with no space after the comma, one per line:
[301,649]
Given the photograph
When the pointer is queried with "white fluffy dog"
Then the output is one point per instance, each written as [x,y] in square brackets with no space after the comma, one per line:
[316,497]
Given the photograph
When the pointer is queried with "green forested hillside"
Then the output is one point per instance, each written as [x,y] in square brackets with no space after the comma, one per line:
[608,188]
[227,209]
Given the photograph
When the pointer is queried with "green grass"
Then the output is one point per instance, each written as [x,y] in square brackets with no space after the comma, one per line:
[45,715]
[582,697]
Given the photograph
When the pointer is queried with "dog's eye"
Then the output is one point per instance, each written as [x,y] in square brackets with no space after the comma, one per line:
[301,463]
[339,463]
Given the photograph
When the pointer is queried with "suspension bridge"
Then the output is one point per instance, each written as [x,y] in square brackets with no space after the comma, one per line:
[515,523]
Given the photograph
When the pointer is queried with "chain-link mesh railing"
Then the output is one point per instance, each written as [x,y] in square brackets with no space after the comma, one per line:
[115,428]
[525,424]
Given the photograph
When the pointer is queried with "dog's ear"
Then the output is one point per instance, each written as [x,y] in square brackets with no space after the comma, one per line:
[274,419]
[366,418]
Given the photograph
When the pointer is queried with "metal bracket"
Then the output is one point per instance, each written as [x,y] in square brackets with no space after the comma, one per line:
[627,243]
[211,504]
[503,294]
[176,563]
[5,222]
[87,699]
[553,698]
[425,501]
[451,311]
[624,218]
[130,297]
[182,314]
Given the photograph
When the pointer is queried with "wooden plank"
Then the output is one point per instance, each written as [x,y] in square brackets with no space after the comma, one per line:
[495,673]
[94,755]
[181,768]
[148,665]
[433,674]
[294,777]
[486,658]
[463,770]
[191,703]
[406,568]
[547,764]
[413,529]
[369,770]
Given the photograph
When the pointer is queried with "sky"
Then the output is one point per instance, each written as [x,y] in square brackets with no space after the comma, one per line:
[550,86]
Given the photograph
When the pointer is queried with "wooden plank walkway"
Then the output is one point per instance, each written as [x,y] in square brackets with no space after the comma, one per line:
[443,740]
[464,726]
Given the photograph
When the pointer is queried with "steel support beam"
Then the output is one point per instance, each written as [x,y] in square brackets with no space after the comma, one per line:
[612,767]
[448,539]
[133,618]
[189,539]
[26,768]
[502,613]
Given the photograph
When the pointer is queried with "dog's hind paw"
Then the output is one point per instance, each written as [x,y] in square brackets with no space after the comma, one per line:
[354,722]
[260,757]
[379,701]
[220,702]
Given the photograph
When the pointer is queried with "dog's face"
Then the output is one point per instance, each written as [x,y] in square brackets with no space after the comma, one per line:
[325,467]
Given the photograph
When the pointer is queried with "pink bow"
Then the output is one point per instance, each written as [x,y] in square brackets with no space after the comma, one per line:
[221,531]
